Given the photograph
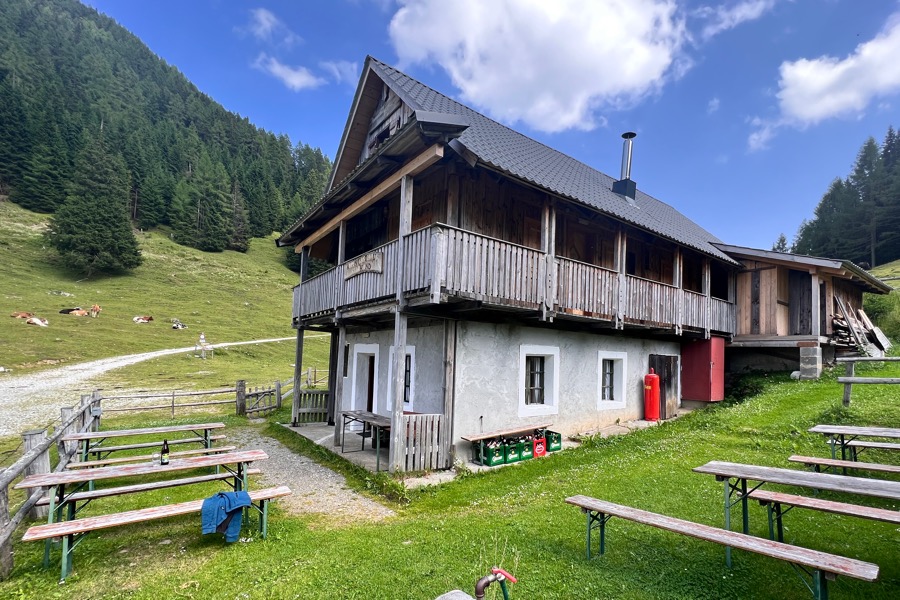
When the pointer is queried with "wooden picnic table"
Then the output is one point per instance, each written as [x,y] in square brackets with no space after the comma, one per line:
[377,424]
[234,462]
[742,473]
[92,441]
[842,435]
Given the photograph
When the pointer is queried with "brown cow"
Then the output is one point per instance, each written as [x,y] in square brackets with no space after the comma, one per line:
[79,312]
[145,319]
[95,310]
[21,314]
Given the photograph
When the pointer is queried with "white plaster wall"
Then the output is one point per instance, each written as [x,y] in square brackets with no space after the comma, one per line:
[428,370]
[488,379]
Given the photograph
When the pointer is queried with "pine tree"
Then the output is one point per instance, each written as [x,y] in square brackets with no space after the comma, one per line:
[91,230]
[15,140]
[781,245]
[200,212]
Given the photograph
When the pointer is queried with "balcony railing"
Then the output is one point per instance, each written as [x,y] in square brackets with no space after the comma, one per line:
[446,260]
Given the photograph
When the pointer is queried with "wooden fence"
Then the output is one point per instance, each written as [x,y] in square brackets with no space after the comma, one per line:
[309,406]
[427,442]
[36,459]
[850,374]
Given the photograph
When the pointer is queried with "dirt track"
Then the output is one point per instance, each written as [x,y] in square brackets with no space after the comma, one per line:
[34,400]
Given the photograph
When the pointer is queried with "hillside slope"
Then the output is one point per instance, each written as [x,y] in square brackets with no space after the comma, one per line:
[230,296]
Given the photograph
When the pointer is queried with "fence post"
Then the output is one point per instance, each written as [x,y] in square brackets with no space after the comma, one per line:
[240,399]
[278,394]
[848,387]
[85,420]
[6,554]
[40,465]
[66,448]
[96,411]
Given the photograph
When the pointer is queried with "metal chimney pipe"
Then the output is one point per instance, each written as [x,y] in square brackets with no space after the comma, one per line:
[626,154]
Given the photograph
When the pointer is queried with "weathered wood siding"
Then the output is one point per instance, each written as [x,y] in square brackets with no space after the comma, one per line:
[693,310]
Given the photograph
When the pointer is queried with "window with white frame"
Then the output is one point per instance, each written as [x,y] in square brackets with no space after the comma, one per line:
[611,375]
[538,380]
[408,379]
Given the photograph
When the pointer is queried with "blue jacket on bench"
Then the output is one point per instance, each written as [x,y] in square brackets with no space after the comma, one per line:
[222,513]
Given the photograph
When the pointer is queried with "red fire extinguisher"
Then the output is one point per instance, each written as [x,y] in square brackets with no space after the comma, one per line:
[651,396]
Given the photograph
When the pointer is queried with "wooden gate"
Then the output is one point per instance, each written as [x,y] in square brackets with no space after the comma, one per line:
[427,442]
[666,367]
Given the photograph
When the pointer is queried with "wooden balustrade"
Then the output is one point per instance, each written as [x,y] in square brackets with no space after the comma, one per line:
[586,289]
[443,259]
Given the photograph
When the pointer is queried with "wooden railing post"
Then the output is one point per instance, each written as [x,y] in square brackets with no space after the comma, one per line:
[6,554]
[39,466]
[848,387]
[85,421]
[278,394]
[66,448]
[96,410]
[240,400]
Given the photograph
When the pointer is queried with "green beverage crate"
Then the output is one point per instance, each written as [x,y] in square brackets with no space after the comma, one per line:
[513,453]
[554,441]
[526,450]
[494,456]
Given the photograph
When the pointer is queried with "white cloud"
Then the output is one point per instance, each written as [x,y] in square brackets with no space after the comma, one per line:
[713,106]
[295,78]
[342,71]
[812,90]
[724,17]
[553,65]
[266,27]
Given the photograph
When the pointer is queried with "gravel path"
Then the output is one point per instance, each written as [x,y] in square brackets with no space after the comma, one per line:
[316,489]
[34,400]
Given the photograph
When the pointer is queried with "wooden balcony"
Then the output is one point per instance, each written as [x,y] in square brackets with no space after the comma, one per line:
[444,263]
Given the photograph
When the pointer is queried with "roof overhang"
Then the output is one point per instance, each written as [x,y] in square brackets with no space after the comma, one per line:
[423,131]
[838,268]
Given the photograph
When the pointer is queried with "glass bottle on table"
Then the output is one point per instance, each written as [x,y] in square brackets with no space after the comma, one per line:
[164,454]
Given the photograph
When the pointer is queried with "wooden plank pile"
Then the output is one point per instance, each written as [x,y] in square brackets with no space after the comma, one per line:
[858,331]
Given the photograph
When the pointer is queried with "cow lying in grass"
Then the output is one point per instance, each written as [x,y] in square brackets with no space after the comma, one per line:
[21,314]
[37,321]
[144,319]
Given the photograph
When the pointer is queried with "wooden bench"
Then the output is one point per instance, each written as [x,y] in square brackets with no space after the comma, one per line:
[775,501]
[478,440]
[68,530]
[857,446]
[820,464]
[142,487]
[824,566]
[154,444]
[84,464]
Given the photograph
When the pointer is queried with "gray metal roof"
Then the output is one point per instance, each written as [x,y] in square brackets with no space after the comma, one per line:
[501,148]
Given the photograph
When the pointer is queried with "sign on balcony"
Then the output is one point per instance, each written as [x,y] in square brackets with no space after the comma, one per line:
[373,262]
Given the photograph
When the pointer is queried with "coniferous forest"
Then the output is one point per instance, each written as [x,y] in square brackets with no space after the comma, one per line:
[101,133]
[858,218]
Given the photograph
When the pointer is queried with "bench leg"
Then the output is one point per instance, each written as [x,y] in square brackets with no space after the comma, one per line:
[595,520]
[819,585]
[263,518]
[728,519]
[66,562]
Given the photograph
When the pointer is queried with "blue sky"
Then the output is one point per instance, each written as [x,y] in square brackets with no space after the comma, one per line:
[745,110]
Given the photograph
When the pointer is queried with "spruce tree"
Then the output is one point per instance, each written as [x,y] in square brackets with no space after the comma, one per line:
[91,230]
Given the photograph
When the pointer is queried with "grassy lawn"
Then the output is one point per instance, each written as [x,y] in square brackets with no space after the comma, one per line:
[445,537]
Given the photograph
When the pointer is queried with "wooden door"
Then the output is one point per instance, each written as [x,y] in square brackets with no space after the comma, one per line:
[800,299]
[370,385]
[666,366]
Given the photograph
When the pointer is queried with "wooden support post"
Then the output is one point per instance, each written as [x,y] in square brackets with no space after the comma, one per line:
[298,362]
[398,434]
[338,383]
[850,369]
[278,394]
[84,422]
[450,330]
[240,400]
[39,466]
